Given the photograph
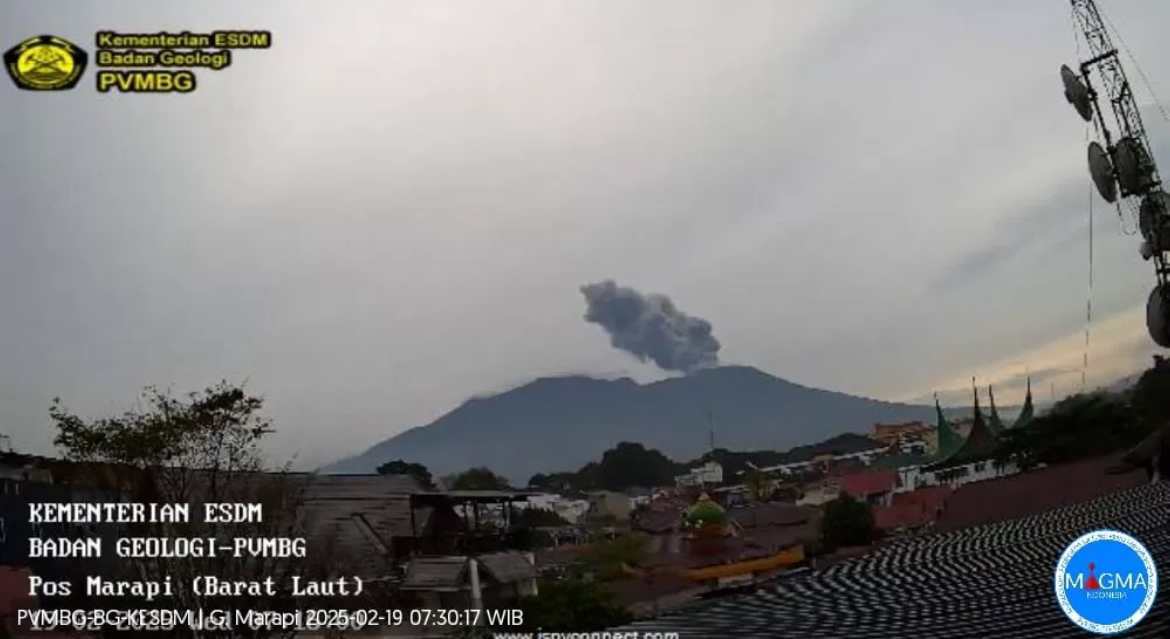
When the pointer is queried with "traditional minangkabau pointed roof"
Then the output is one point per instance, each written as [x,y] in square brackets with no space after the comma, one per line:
[1027,412]
[981,444]
[994,422]
[949,441]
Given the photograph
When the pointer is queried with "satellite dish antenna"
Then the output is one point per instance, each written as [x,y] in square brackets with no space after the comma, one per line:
[1124,172]
[1077,93]
[1154,220]
[1134,167]
[1158,315]
[1101,170]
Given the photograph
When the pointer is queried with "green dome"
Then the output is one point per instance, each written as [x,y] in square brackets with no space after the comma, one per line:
[705,512]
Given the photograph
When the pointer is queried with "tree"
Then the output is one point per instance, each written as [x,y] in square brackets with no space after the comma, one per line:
[192,450]
[847,522]
[609,559]
[1151,395]
[539,481]
[480,478]
[572,604]
[630,465]
[420,473]
[1078,427]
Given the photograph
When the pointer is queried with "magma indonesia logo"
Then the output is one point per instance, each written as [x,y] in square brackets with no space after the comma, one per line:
[45,63]
[1106,582]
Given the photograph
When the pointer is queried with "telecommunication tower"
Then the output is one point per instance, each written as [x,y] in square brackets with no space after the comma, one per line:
[1121,162]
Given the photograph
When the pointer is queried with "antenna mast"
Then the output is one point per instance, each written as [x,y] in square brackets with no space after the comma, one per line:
[1123,169]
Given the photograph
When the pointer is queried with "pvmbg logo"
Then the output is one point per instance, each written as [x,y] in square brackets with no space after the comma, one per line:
[1106,582]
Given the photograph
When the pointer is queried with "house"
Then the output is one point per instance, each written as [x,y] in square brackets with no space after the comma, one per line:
[894,435]
[874,486]
[994,578]
[609,505]
[709,474]
[710,545]
[912,511]
[494,580]
[571,510]
[820,492]
[1035,491]
[963,455]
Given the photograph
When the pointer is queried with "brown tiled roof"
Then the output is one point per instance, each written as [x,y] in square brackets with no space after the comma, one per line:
[1034,492]
[659,521]
[770,514]
[912,509]
[872,482]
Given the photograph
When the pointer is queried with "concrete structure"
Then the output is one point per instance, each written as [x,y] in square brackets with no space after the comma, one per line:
[708,474]
[571,510]
[894,434]
[606,504]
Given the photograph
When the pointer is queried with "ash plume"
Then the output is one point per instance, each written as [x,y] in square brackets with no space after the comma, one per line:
[650,327]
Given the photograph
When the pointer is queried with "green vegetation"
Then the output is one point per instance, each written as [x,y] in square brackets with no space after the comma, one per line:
[572,604]
[1093,424]
[607,560]
[420,473]
[847,522]
[479,478]
[631,465]
[200,448]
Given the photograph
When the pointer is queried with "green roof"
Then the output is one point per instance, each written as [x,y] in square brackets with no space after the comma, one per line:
[994,423]
[706,511]
[1027,412]
[980,444]
[948,440]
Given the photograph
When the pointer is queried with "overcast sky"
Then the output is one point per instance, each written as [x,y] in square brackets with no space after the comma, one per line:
[394,207]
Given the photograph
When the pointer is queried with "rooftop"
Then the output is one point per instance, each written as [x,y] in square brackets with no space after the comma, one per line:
[990,581]
[872,482]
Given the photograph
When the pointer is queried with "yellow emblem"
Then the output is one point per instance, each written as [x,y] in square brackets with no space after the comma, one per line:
[45,63]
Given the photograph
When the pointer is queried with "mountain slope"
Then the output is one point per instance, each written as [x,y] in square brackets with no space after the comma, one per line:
[561,423]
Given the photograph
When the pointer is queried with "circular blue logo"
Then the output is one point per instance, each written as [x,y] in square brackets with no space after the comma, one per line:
[1106,582]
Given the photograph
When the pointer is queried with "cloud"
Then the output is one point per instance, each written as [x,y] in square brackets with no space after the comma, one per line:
[1119,346]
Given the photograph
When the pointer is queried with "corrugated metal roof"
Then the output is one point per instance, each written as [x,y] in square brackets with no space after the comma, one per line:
[508,567]
[436,573]
[989,581]
[1033,492]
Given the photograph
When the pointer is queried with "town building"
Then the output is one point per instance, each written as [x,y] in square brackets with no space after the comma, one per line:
[990,553]
[709,474]
[820,457]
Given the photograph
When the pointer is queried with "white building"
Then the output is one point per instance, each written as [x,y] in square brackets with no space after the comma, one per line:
[571,510]
[847,447]
[707,474]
